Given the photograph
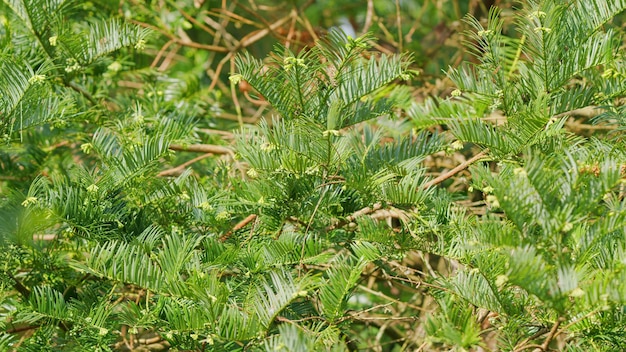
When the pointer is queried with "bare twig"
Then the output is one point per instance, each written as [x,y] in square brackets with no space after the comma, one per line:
[257,35]
[552,334]
[588,112]
[384,296]
[218,70]
[438,180]
[238,226]
[456,170]
[576,126]
[356,214]
[399,24]
[175,171]
[202,148]
[524,344]
[368,16]
[22,329]
[158,56]
[233,94]
[223,134]
[179,40]
[554,331]
[83,92]
[169,58]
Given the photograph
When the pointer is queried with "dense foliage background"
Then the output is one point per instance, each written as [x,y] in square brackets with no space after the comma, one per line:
[312,175]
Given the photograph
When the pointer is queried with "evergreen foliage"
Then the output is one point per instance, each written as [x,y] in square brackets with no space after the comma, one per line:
[320,227]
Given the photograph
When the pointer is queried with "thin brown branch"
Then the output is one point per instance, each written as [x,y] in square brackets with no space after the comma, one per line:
[576,126]
[238,226]
[223,134]
[535,346]
[384,296]
[298,221]
[229,40]
[83,92]
[158,56]
[356,214]
[176,171]
[399,24]
[180,41]
[19,286]
[554,331]
[169,58]
[552,334]
[233,16]
[291,32]
[202,148]
[193,44]
[148,341]
[44,237]
[258,35]
[588,112]
[368,16]
[22,329]
[218,70]
[524,344]
[193,20]
[456,170]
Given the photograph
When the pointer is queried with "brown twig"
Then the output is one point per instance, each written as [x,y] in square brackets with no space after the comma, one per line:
[175,171]
[218,70]
[202,148]
[233,94]
[576,126]
[158,56]
[356,214]
[438,180]
[238,226]
[22,329]
[223,134]
[151,340]
[524,344]
[193,20]
[456,170]
[19,286]
[169,58]
[258,35]
[83,92]
[399,24]
[180,41]
[554,331]
[588,112]
[208,47]
[552,334]
[368,16]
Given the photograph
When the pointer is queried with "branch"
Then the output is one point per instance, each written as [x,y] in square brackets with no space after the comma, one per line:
[579,127]
[368,16]
[544,346]
[553,331]
[456,170]
[175,171]
[22,329]
[356,214]
[82,91]
[23,290]
[181,41]
[202,148]
[238,226]
[588,112]
[524,344]
[438,180]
